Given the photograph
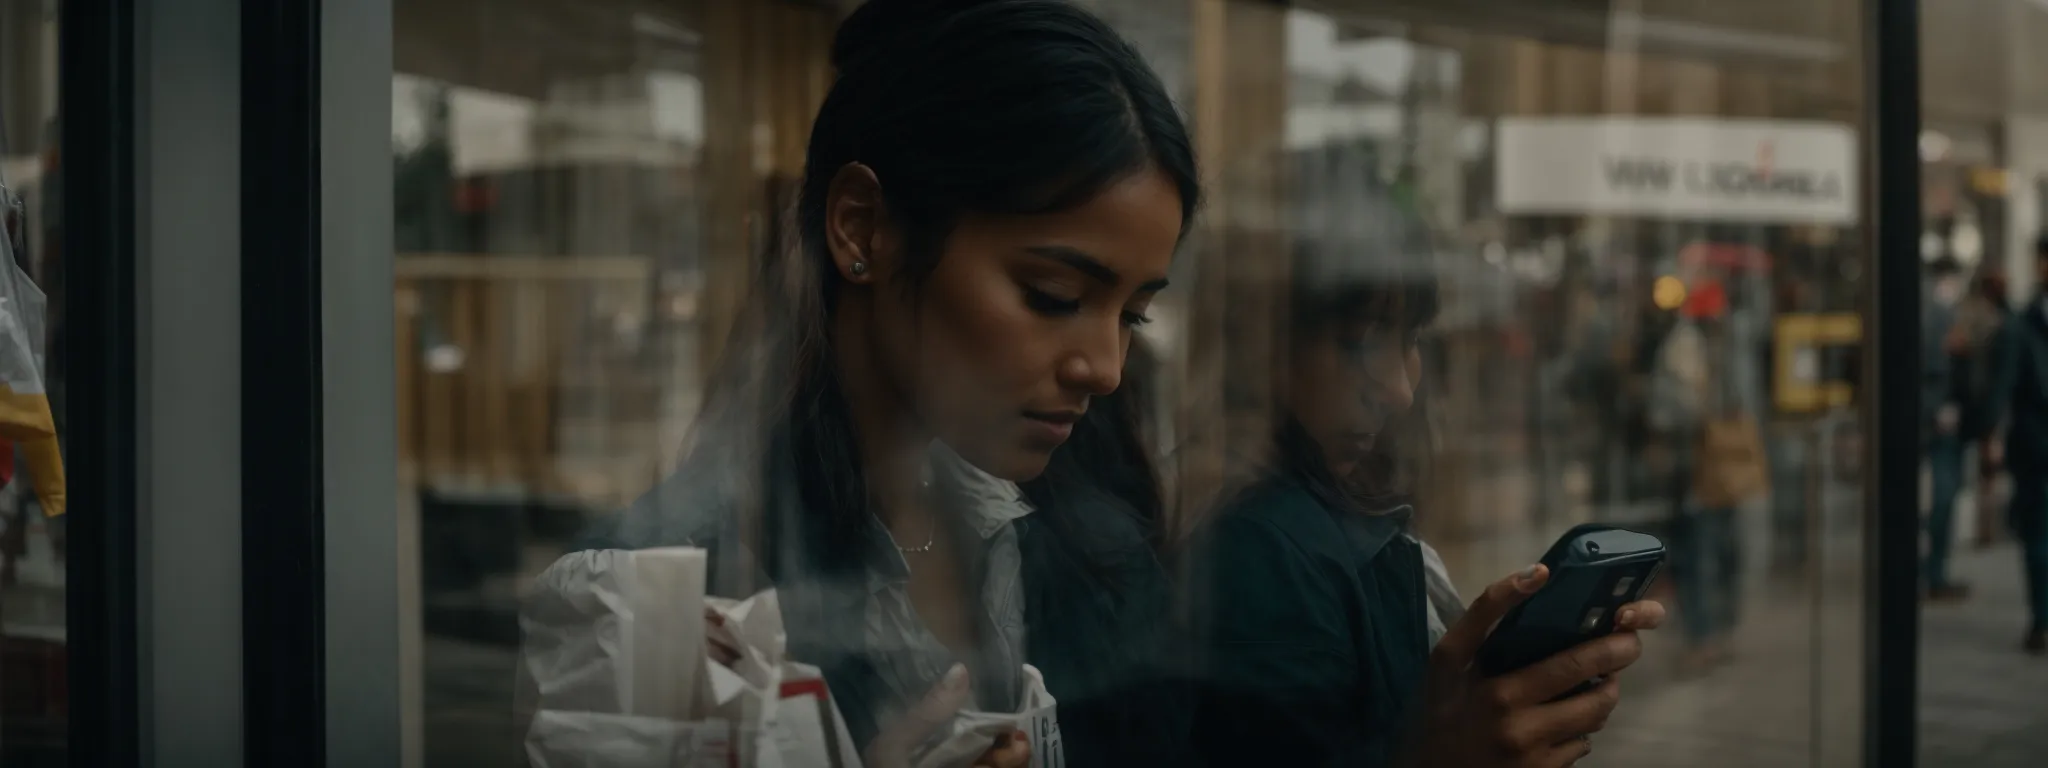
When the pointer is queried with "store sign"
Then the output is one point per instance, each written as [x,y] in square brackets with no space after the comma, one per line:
[1697,168]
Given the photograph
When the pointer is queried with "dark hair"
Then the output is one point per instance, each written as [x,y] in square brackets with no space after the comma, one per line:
[2041,245]
[989,106]
[1361,256]
[957,106]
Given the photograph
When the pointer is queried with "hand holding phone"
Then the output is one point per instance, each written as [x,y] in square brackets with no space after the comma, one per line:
[1595,571]
[1470,719]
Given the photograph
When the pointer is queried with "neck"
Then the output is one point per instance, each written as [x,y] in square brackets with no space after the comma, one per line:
[892,449]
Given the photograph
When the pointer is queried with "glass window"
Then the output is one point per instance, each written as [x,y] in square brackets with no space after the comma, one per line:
[1647,231]
[1983,177]
[1651,254]
[577,190]
[1642,222]
[33,726]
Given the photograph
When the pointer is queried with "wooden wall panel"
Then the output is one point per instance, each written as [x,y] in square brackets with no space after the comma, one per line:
[1227,391]
[767,67]
[1505,75]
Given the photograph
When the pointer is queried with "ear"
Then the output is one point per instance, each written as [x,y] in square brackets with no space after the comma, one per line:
[855,223]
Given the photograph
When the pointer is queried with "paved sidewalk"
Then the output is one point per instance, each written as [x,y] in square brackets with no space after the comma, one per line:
[1982,703]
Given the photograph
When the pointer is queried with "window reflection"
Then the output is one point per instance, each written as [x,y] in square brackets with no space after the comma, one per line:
[1642,222]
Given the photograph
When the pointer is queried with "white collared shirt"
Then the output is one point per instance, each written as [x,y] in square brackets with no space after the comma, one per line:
[910,659]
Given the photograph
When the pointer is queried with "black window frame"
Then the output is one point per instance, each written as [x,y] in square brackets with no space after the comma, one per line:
[96,105]
[1891,576]
[284,606]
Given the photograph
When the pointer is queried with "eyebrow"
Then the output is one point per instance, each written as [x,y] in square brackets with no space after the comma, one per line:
[1088,265]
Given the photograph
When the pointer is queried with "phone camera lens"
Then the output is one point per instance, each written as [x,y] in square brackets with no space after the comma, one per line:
[1592,548]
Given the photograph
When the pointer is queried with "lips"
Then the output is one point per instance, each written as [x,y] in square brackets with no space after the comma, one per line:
[1050,428]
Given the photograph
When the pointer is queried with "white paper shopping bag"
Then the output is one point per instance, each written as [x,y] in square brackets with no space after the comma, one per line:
[973,733]
[561,739]
[611,657]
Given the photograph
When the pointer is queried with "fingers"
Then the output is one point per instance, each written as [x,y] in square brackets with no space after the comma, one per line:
[891,748]
[1645,615]
[1566,754]
[1461,642]
[1012,750]
[1531,730]
[1544,680]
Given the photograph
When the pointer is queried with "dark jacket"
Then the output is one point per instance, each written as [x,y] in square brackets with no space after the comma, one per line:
[1974,371]
[1315,627]
[2022,391]
[1098,617]
[1937,374]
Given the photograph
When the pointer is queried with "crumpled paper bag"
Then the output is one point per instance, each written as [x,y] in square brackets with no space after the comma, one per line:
[788,716]
[614,661]
[973,733]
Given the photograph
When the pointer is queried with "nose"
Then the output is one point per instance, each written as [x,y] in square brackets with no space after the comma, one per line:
[1095,363]
[1392,379]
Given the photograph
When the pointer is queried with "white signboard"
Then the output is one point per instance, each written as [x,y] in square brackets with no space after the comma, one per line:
[1693,168]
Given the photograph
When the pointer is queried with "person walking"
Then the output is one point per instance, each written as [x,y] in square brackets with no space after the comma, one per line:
[1973,343]
[1941,423]
[2022,387]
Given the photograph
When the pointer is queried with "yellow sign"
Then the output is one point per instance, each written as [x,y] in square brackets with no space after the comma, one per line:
[1989,182]
[1800,385]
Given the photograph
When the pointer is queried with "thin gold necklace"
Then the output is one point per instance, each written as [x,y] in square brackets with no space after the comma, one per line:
[929,542]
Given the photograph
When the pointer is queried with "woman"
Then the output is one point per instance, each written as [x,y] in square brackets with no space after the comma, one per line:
[993,193]
[1320,611]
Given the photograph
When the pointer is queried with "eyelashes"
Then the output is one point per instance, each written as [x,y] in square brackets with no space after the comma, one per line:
[1053,306]
[1049,305]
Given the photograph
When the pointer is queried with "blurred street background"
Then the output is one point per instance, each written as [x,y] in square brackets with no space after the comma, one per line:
[1650,220]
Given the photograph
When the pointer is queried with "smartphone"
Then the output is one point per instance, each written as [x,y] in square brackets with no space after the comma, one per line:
[1594,570]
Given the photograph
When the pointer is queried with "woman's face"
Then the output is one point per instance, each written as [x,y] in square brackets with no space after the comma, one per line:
[1024,319]
[1347,383]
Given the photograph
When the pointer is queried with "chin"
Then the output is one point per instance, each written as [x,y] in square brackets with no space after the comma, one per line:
[1015,464]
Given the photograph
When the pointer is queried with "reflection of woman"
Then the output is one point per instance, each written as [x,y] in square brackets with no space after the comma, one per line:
[1318,606]
[993,193]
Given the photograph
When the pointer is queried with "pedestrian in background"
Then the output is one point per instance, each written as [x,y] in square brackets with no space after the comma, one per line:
[1941,425]
[1973,343]
[2022,385]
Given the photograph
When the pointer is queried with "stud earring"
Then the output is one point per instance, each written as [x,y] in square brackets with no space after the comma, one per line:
[859,268]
